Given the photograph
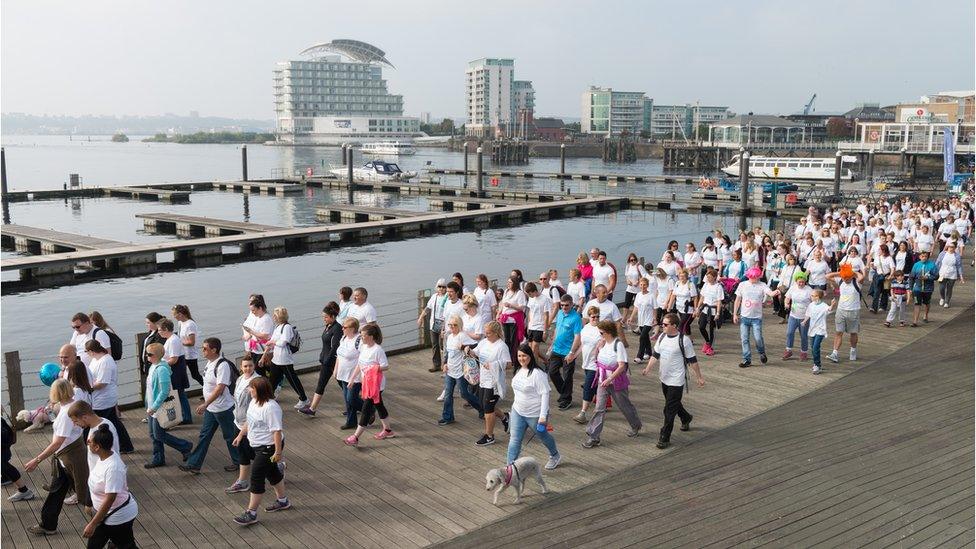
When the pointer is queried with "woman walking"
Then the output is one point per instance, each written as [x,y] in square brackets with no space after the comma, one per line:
[693,263]
[708,310]
[612,382]
[266,437]
[435,308]
[493,359]
[511,315]
[682,299]
[105,390]
[256,330]
[453,369]
[69,462]
[10,473]
[188,337]
[173,354]
[643,314]
[158,385]
[589,338]
[487,304]
[331,337]
[279,354]
[796,301]
[530,407]
[372,366]
[632,274]
[242,399]
[949,264]
[347,356]
[115,508]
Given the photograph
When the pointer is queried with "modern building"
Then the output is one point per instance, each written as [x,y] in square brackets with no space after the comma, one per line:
[680,121]
[872,112]
[610,113]
[524,98]
[756,128]
[965,101]
[549,129]
[338,95]
[491,97]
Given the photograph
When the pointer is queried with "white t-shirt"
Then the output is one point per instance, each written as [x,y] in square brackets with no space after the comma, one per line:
[172,347]
[486,300]
[262,325]
[495,356]
[663,290]
[517,299]
[371,356]
[633,273]
[93,458]
[109,477]
[948,267]
[608,309]
[693,260]
[105,370]
[347,355]
[187,328]
[712,294]
[684,296]
[281,354]
[884,265]
[799,300]
[817,271]
[589,338]
[601,275]
[436,305]
[64,427]
[213,376]
[753,295]
[711,257]
[262,421]
[474,324]
[608,356]
[453,309]
[667,351]
[364,313]
[538,307]
[530,393]
[576,291]
[850,298]
[817,313]
[79,340]
[644,303]
[924,242]
[454,357]
[670,268]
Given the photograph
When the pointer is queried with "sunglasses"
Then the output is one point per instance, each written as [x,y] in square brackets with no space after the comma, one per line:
[566,305]
[76,326]
[666,324]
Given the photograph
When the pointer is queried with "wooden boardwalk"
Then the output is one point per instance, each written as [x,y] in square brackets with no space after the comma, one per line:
[345,213]
[427,485]
[194,225]
[38,240]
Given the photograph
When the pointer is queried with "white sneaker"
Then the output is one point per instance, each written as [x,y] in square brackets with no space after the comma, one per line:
[301,404]
[441,397]
[554,462]
[833,357]
[24,496]
[941,302]
[854,353]
[73,500]
[946,305]
[277,392]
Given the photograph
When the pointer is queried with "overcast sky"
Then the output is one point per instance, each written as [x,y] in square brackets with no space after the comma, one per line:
[216,56]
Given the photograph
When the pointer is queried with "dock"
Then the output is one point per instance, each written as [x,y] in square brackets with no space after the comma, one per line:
[50,243]
[456,203]
[147,193]
[344,213]
[188,225]
[260,186]
[619,177]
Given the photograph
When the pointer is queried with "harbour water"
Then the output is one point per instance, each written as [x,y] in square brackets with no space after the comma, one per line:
[36,323]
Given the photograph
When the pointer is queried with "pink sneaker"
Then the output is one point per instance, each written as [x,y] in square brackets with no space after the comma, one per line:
[787,355]
[385,433]
[803,355]
[707,349]
[351,440]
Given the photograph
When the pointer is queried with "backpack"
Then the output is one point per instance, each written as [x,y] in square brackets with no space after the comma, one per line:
[234,374]
[681,349]
[295,343]
[115,342]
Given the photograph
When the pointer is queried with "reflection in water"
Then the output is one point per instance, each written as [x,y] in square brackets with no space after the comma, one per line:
[247,206]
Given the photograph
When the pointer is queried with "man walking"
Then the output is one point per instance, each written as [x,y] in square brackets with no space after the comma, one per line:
[217,409]
[922,284]
[749,298]
[848,316]
[675,353]
[565,349]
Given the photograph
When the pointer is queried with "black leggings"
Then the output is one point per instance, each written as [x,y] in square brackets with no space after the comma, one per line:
[288,371]
[325,372]
[685,326]
[368,406]
[509,331]
[119,534]
[264,469]
[706,324]
[644,340]
[194,367]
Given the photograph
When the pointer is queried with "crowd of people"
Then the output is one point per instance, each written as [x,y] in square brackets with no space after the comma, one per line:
[527,338]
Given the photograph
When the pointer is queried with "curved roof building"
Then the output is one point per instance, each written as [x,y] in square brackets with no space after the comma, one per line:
[353,49]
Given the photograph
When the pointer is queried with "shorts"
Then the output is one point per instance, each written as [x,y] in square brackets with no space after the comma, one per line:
[488,399]
[629,300]
[245,451]
[589,391]
[534,336]
[922,298]
[848,322]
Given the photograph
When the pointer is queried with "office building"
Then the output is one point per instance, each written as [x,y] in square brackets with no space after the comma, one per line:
[611,113]
[338,95]
[490,96]
[679,121]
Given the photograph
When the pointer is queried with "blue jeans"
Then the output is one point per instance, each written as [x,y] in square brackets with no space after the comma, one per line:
[159,437]
[754,324]
[880,300]
[185,406]
[518,426]
[791,326]
[211,420]
[354,403]
[815,342]
[449,383]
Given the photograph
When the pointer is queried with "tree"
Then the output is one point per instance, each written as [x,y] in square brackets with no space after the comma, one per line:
[838,127]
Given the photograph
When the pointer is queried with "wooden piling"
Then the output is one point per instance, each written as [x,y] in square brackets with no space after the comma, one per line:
[349,181]
[244,162]
[838,164]
[481,173]
[15,384]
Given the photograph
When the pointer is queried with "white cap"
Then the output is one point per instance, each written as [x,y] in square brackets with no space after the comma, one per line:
[440,282]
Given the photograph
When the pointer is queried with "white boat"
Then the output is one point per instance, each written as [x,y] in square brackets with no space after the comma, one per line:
[769,167]
[392,148]
[375,171]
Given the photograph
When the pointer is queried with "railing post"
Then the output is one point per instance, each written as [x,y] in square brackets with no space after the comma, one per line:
[349,176]
[244,162]
[15,385]
[423,335]
[140,344]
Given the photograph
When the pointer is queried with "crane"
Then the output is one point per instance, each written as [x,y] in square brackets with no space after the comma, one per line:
[808,108]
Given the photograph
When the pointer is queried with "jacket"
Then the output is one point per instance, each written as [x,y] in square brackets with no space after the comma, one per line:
[158,385]
[331,336]
[75,459]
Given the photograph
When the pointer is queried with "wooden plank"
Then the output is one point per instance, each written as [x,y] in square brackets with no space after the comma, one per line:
[240,226]
[68,240]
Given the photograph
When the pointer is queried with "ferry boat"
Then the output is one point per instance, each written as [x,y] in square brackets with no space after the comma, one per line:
[392,148]
[769,167]
[375,171]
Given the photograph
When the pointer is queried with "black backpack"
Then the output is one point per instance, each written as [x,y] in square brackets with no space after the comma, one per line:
[295,343]
[115,342]
[234,374]
[681,349]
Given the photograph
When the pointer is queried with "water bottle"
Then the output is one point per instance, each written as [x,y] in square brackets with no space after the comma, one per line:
[540,427]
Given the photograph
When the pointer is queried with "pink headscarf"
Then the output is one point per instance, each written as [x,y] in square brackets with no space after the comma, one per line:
[754,272]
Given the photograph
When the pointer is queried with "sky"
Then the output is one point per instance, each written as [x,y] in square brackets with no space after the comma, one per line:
[216,56]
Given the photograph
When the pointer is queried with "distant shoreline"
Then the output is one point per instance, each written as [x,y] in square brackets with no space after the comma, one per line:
[220,138]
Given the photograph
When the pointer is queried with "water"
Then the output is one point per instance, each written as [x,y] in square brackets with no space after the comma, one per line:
[36,323]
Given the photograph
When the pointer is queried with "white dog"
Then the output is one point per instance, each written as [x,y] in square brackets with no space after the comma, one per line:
[515,475]
[37,418]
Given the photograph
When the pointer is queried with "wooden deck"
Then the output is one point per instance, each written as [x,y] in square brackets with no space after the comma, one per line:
[345,213]
[38,240]
[192,225]
[147,193]
[427,485]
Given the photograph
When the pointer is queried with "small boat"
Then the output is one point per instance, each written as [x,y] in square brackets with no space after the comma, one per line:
[375,171]
[769,167]
[391,148]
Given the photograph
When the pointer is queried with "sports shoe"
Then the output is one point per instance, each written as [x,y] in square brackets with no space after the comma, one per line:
[301,404]
[71,500]
[277,392]
[505,421]
[686,425]
[278,505]
[246,518]
[946,306]
[816,370]
[238,486]
[26,495]
[745,364]
[434,369]
[833,357]
[853,355]
[662,444]
[231,468]
[443,422]
[633,432]
[554,462]
[384,434]
[638,359]
[788,354]
[580,418]
[485,440]
[39,530]
[590,443]
[188,469]
[708,350]
[351,440]
[307,411]
[941,302]
[441,397]
[803,355]
[565,405]
[153,465]
[763,358]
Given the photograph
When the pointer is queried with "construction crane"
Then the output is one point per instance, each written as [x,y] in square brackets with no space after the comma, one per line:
[808,108]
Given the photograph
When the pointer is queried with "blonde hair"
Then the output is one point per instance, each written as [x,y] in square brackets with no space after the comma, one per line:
[455,320]
[593,310]
[469,301]
[60,391]
[495,329]
[351,322]
[281,314]
[157,350]
[582,258]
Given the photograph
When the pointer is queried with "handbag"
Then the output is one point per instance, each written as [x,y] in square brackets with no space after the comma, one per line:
[472,370]
[167,415]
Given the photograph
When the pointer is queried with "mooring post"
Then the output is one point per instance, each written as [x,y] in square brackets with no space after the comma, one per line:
[3,176]
[838,165]
[465,164]
[142,366]
[904,153]
[342,148]
[15,385]
[244,162]
[871,164]
[743,188]
[481,174]
[562,159]
[349,175]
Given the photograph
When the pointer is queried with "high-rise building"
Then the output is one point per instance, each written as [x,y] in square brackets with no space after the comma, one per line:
[330,100]
[680,121]
[524,98]
[490,93]
[609,112]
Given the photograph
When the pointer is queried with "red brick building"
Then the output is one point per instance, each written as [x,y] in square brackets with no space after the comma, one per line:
[548,129]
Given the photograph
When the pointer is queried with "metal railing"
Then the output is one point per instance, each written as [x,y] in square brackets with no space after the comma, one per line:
[898,146]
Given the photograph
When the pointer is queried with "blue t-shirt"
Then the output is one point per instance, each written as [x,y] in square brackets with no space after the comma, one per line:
[567,326]
[924,274]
